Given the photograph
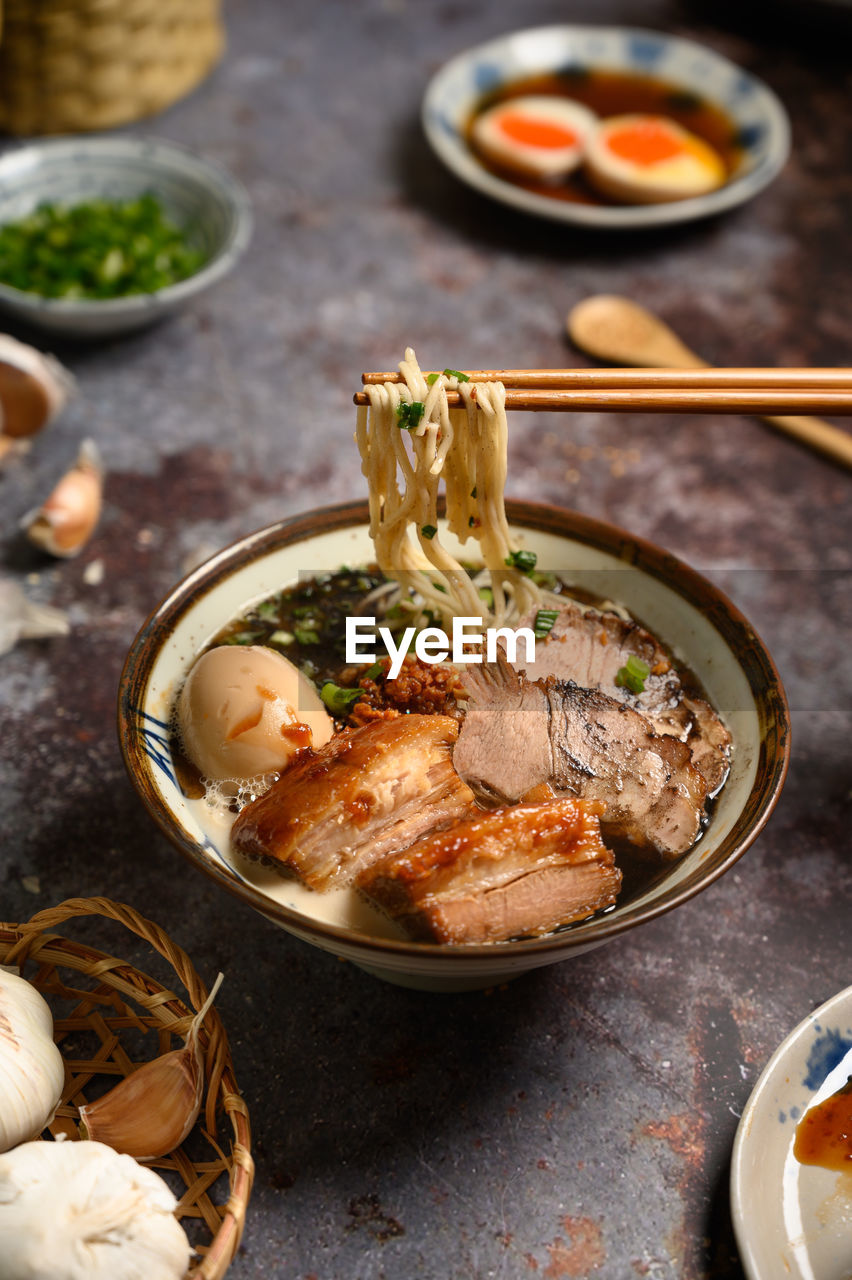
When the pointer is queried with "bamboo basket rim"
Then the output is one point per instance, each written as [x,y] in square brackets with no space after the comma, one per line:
[117,981]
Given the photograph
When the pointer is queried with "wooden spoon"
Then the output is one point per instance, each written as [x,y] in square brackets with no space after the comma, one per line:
[621,332]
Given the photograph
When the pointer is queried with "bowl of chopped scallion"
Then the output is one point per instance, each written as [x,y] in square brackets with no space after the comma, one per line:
[100,236]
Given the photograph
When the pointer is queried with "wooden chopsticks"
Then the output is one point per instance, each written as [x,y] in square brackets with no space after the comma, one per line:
[776,391]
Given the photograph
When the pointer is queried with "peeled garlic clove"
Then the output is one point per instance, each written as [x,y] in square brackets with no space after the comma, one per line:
[67,520]
[151,1112]
[23,619]
[32,1073]
[33,388]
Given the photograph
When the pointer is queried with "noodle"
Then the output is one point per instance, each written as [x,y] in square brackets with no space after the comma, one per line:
[467,448]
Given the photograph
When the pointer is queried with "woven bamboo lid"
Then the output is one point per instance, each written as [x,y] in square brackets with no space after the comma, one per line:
[68,66]
[100,1005]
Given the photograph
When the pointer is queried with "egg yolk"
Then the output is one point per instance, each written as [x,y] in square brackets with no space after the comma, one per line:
[646,143]
[535,133]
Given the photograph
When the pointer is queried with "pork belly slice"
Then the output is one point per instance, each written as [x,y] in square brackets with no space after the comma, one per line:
[590,647]
[504,874]
[519,733]
[368,792]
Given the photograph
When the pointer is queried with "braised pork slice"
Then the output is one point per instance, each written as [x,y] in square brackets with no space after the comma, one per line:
[519,733]
[502,874]
[366,793]
[590,647]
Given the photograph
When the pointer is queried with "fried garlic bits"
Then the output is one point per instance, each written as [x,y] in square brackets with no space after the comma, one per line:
[66,521]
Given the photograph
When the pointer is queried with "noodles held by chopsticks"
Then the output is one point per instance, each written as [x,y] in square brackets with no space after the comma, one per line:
[404,465]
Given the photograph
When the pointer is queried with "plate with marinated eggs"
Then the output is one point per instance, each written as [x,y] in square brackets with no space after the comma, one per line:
[609,127]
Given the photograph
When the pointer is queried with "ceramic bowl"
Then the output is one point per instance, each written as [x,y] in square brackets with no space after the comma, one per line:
[678,604]
[792,1219]
[194,193]
[757,115]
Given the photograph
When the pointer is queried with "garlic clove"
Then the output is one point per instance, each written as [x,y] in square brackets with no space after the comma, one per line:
[151,1112]
[66,521]
[34,388]
[25,619]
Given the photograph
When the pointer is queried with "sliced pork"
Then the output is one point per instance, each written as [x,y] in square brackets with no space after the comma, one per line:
[499,875]
[519,733]
[590,647]
[368,792]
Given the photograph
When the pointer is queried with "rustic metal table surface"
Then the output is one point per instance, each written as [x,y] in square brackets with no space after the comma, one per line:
[579,1121]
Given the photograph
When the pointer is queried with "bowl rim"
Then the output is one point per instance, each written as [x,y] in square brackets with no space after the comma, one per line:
[763,678]
[456,155]
[230,193]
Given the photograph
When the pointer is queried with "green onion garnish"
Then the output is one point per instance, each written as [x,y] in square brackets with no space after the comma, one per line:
[373,672]
[408,415]
[523,560]
[306,635]
[432,378]
[454,373]
[544,621]
[97,248]
[428,531]
[282,637]
[339,700]
[633,674]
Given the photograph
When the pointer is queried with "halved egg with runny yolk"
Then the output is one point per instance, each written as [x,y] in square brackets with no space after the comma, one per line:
[536,136]
[645,159]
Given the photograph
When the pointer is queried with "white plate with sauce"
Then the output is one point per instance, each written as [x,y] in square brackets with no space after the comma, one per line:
[753,111]
[792,1219]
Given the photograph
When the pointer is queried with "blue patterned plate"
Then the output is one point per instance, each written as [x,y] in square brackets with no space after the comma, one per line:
[760,119]
[794,1220]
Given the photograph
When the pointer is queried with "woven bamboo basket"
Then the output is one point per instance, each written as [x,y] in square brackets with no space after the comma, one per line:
[100,1006]
[70,66]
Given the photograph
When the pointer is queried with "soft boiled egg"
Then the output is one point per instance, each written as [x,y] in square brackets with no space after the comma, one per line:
[245,711]
[537,136]
[645,159]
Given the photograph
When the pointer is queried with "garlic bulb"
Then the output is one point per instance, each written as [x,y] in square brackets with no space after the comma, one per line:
[66,521]
[32,1072]
[150,1112]
[33,388]
[80,1211]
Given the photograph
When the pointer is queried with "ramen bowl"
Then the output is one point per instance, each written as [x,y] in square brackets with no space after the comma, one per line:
[686,611]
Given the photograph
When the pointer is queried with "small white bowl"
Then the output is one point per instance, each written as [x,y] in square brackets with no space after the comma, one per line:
[678,604]
[792,1219]
[194,192]
[760,119]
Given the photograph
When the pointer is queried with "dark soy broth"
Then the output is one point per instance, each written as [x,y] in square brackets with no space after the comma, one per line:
[612,93]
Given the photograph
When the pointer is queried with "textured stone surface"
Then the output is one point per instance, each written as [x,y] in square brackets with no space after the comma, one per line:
[579,1122]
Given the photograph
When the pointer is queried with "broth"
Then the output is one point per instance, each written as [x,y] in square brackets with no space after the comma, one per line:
[612,93]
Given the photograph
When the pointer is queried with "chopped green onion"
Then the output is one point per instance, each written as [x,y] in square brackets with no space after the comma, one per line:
[97,248]
[339,700]
[428,531]
[282,637]
[633,675]
[305,635]
[374,671]
[243,637]
[432,378]
[454,373]
[523,560]
[544,621]
[486,594]
[266,609]
[408,415]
